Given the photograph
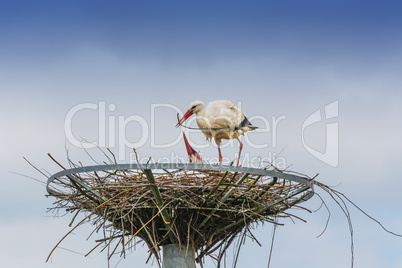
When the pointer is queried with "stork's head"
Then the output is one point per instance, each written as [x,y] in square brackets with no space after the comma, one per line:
[194,108]
[193,156]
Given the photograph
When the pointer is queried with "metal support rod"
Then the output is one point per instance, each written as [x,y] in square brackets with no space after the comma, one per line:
[176,257]
[159,202]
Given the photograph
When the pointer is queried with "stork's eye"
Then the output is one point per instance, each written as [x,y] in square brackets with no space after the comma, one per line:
[192,108]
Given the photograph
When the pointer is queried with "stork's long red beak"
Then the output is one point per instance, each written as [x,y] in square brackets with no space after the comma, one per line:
[190,150]
[184,118]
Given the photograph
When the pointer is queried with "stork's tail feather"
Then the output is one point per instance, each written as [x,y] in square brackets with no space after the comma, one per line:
[246,124]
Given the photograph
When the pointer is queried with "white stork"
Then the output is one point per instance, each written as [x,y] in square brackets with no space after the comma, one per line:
[193,156]
[221,120]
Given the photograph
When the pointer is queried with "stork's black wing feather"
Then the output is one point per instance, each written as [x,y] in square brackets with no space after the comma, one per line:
[243,124]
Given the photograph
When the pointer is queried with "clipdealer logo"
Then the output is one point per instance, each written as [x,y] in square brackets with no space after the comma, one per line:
[112,129]
[112,132]
[331,154]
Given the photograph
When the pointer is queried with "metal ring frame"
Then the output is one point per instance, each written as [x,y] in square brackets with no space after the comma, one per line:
[182,166]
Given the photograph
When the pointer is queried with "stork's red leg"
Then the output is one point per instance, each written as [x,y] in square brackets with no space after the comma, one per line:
[241,147]
[220,155]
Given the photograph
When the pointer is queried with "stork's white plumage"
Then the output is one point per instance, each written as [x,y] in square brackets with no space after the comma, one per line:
[221,120]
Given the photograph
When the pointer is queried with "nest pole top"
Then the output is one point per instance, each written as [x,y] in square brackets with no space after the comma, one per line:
[176,257]
[164,204]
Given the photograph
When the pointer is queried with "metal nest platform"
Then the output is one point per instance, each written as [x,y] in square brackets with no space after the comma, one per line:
[203,208]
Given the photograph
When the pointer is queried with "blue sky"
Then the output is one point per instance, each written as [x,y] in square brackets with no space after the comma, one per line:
[278,58]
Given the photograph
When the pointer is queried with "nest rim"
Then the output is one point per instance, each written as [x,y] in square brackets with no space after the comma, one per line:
[180,166]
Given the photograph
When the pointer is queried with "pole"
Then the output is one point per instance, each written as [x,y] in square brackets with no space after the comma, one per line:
[175,257]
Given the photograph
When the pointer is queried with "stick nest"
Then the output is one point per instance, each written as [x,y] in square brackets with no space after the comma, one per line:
[204,210]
